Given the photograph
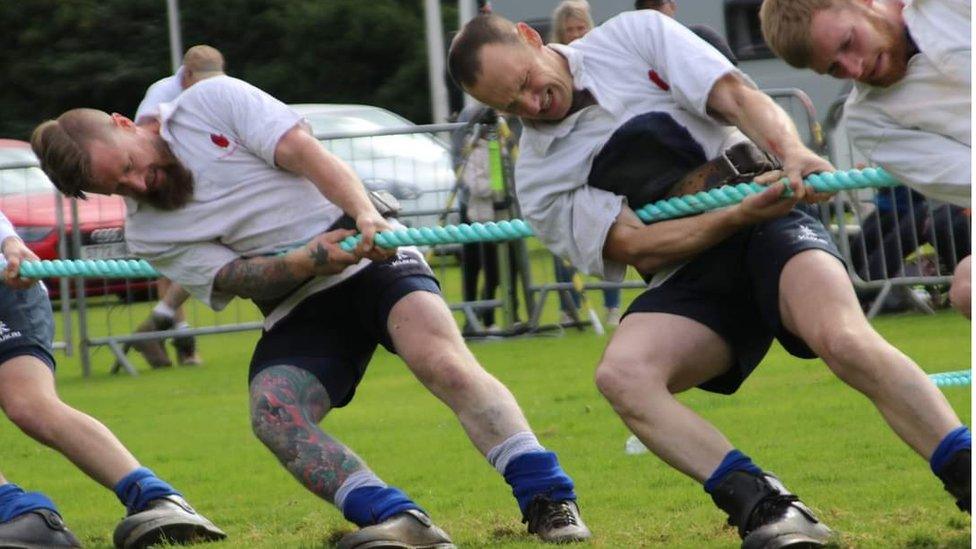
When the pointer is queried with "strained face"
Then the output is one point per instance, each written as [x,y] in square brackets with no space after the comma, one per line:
[524,81]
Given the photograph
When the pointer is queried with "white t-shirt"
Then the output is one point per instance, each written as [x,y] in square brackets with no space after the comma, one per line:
[161,91]
[6,228]
[6,231]
[635,63]
[225,132]
[919,128]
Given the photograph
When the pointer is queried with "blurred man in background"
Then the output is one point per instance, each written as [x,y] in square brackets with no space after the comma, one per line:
[199,62]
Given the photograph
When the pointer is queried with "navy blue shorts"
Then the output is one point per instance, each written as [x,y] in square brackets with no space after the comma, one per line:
[733,288]
[332,334]
[26,324]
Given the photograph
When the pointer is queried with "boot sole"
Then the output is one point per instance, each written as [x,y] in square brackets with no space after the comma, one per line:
[794,541]
[399,545]
[561,540]
[164,530]
[19,545]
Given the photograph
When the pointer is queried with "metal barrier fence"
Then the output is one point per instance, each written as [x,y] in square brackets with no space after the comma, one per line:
[900,248]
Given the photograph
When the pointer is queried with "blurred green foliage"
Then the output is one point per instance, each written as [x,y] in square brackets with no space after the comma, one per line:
[60,54]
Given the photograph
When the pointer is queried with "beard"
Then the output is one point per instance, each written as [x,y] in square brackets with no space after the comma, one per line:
[176,188]
[896,46]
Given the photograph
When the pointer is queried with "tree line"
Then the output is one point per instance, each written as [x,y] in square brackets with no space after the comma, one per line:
[60,54]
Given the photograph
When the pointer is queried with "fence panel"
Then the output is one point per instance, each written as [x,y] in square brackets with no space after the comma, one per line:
[898,245]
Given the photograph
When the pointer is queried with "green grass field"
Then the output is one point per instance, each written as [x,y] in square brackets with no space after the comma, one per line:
[793,417]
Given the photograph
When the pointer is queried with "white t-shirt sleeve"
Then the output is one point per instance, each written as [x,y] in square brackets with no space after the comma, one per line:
[6,228]
[933,164]
[253,118]
[195,266]
[161,91]
[571,220]
[688,64]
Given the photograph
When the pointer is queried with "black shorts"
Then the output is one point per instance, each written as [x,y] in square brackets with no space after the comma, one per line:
[333,333]
[733,288]
[26,324]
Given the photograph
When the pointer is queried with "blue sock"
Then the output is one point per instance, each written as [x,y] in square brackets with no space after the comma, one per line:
[959,439]
[733,461]
[141,486]
[15,502]
[373,504]
[538,473]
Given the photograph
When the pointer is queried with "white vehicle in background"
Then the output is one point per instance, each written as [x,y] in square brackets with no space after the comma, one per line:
[415,168]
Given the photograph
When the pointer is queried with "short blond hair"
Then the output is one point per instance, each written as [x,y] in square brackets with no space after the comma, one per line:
[568,9]
[786,27]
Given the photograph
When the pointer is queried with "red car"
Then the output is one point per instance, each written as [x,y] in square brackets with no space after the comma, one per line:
[28,199]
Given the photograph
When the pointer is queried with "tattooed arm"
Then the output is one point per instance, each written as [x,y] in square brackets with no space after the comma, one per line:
[266,279]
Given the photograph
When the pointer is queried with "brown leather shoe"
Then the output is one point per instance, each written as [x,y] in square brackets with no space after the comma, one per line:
[152,350]
[410,529]
[186,351]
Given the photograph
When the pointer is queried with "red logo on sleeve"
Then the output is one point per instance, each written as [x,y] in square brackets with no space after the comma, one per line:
[658,81]
[219,140]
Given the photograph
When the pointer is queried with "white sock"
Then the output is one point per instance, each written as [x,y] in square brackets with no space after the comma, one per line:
[359,479]
[513,447]
[164,310]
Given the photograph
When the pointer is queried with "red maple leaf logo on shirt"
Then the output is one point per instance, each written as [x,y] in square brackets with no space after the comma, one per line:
[219,140]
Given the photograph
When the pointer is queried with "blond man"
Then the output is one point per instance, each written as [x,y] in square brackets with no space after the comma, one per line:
[909,111]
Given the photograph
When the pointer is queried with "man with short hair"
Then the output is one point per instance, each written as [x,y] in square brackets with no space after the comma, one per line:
[910,109]
[667,7]
[232,196]
[199,62]
[637,110]
[156,511]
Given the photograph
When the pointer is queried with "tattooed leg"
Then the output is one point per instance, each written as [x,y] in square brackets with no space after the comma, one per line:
[287,404]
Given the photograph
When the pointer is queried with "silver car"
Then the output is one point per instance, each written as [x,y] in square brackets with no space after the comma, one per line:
[415,168]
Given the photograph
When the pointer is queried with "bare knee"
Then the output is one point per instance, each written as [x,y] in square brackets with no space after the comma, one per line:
[848,351]
[37,418]
[624,382]
[447,370]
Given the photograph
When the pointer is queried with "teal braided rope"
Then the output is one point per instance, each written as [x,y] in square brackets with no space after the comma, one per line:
[678,206]
[495,231]
[449,234]
[727,195]
[91,268]
[962,378]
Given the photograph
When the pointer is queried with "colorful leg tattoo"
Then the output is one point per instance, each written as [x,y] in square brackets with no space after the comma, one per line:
[286,405]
